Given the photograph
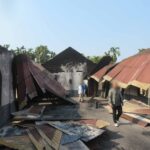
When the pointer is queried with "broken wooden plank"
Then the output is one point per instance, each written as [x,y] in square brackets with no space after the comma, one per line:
[135,119]
[34,111]
[51,135]
[17,142]
[37,140]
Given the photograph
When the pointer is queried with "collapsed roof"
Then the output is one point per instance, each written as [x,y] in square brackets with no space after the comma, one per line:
[32,80]
[134,71]
[98,76]
[67,56]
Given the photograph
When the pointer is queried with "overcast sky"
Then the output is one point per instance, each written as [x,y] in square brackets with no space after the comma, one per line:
[89,26]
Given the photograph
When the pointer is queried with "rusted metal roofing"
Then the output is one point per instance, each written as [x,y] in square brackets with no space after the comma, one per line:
[134,71]
[33,80]
[100,73]
[106,60]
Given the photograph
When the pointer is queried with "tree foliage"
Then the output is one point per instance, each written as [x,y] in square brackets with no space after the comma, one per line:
[114,52]
[94,59]
[40,54]
[22,50]
[43,54]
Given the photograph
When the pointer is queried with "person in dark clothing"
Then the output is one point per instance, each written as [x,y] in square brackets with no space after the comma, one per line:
[116,102]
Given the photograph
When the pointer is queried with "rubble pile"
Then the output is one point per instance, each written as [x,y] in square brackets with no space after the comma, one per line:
[45,118]
[46,135]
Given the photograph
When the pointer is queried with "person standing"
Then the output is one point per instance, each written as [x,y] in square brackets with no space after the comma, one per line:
[116,102]
[84,89]
[80,92]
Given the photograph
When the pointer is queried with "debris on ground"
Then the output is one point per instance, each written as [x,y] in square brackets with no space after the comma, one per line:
[95,123]
[51,127]
[49,135]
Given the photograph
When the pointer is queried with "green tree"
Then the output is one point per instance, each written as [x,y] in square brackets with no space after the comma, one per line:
[42,54]
[94,59]
[22,50]
[114,52]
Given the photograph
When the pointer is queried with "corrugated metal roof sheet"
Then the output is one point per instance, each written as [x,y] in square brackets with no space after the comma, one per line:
[105,60]
[134,71]
[99,74]
[33,80]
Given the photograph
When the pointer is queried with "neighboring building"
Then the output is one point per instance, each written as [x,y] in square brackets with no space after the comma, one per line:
[6,85]
[102,85]
[133,76]
[69,68]
[92,83]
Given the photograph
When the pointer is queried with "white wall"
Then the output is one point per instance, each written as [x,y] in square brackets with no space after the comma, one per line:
[73,73]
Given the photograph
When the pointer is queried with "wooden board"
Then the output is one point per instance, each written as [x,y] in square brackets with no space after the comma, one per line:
[135,119]
[17,142]
[51,135]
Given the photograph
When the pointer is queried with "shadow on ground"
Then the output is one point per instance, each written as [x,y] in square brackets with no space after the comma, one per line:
[105,142]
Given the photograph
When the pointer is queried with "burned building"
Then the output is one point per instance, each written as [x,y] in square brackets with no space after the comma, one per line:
[69,68]
[6,85]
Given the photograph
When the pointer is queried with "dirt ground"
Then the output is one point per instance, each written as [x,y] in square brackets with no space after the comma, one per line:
[127,136]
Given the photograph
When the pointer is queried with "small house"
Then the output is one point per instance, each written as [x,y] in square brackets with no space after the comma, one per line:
[69,68]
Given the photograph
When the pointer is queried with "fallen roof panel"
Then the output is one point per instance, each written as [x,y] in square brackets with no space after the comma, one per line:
[85,132]
[33,80]
[17,142]
[100,73]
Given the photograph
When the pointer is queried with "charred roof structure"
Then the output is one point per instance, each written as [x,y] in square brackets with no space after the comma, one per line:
[68,56]
[33,81]
[69,68]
